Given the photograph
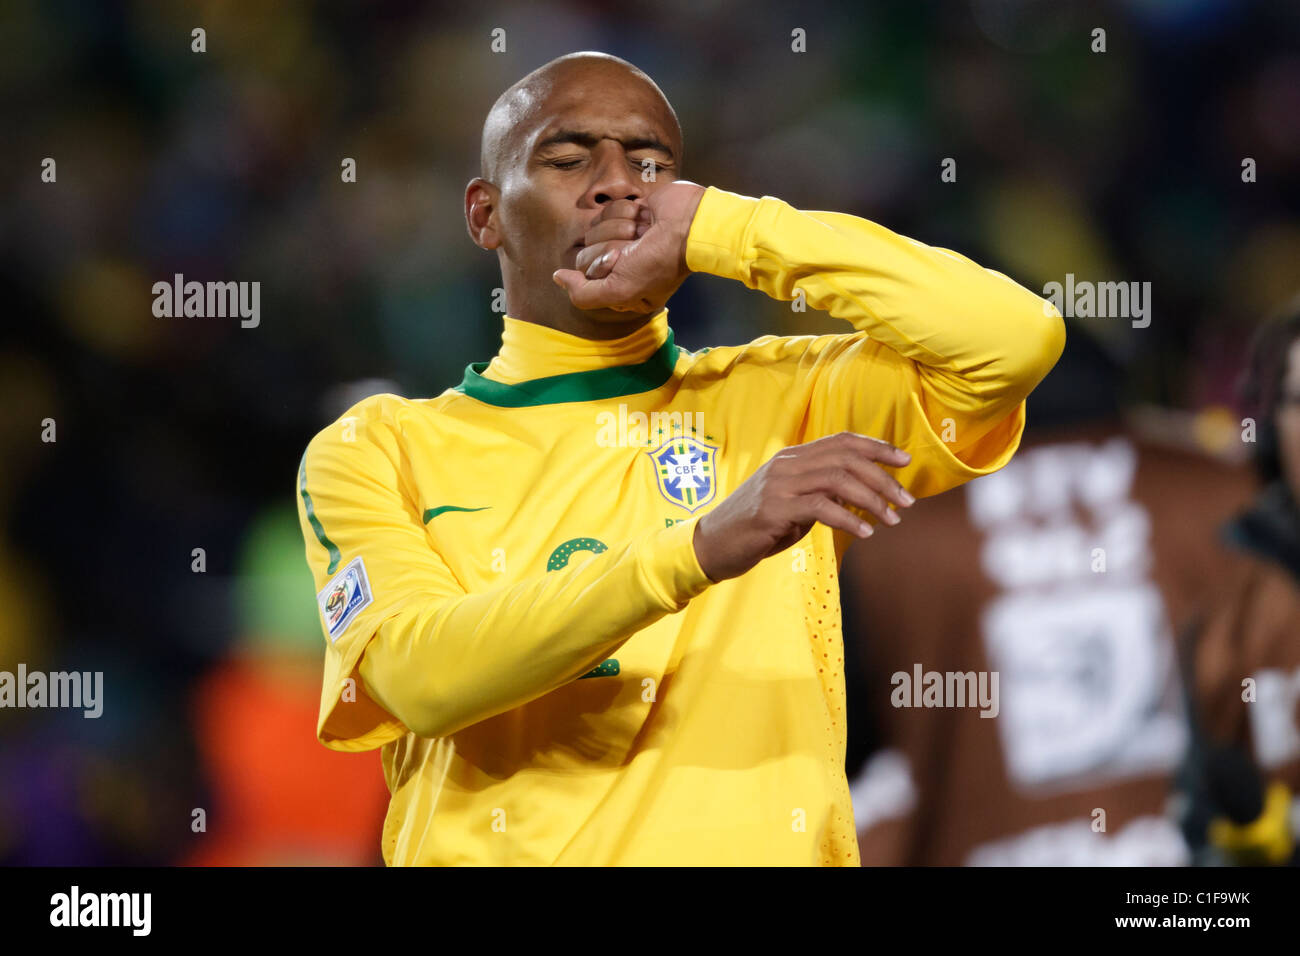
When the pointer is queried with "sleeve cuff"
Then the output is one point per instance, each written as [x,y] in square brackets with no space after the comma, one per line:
[353,723]
[672,567]
[993,451]
[718,241]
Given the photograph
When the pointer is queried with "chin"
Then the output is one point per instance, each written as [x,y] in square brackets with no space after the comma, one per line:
[616,323]
[614,316]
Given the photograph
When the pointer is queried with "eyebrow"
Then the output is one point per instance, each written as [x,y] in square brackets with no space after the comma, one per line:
[589,140]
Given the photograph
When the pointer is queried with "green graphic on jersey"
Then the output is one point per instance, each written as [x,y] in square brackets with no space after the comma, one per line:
[330,547]
[434,512]
[608,668]
[560,556]
[559,559]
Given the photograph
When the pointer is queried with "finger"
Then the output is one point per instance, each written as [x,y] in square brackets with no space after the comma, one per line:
[568,279]
[575,284]
[843,485]
[878,450]
[610,229]
[584,293]
[872,448]
[603,265]
[854,453]
[589,254]
[867,472]
[620,209]
[822,509]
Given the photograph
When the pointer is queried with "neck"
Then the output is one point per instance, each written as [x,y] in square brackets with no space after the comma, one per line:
[530,350]
[600,325]
[537,299]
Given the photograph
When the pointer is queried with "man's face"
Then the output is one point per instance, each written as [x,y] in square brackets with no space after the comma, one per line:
[583,144]
[1288,421]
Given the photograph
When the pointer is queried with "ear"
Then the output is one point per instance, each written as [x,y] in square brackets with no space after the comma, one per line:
[481,213]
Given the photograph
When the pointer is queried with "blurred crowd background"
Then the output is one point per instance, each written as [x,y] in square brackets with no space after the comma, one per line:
[176,434]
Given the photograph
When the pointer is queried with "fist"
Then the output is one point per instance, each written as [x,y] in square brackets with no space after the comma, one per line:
[634,257]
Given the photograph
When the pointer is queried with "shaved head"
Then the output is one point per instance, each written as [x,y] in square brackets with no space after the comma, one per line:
[574,136]
[521,108]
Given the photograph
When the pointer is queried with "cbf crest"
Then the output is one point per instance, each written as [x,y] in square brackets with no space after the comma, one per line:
[686,470]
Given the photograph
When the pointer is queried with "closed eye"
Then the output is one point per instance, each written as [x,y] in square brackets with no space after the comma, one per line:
[638,163]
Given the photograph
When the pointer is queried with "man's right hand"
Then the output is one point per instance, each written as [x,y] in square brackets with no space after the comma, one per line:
[635,253]
[778,504]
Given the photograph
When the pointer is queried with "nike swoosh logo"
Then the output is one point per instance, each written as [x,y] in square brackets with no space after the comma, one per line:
[434,512]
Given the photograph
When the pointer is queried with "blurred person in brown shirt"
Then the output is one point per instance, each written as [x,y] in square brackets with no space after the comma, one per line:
[1245,659]
[1068,575]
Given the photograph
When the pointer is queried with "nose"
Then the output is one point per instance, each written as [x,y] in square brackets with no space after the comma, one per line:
[615,177]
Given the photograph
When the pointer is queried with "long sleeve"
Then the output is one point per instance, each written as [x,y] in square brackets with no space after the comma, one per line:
[431,657]
[975,343]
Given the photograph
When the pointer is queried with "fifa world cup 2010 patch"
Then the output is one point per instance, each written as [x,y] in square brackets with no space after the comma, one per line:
[346,595]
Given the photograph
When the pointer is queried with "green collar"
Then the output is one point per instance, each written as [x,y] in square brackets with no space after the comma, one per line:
[595,385]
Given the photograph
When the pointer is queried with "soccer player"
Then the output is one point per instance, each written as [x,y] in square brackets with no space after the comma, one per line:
[586,601]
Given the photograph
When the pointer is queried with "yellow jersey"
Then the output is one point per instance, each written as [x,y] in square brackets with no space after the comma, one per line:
[511,603]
